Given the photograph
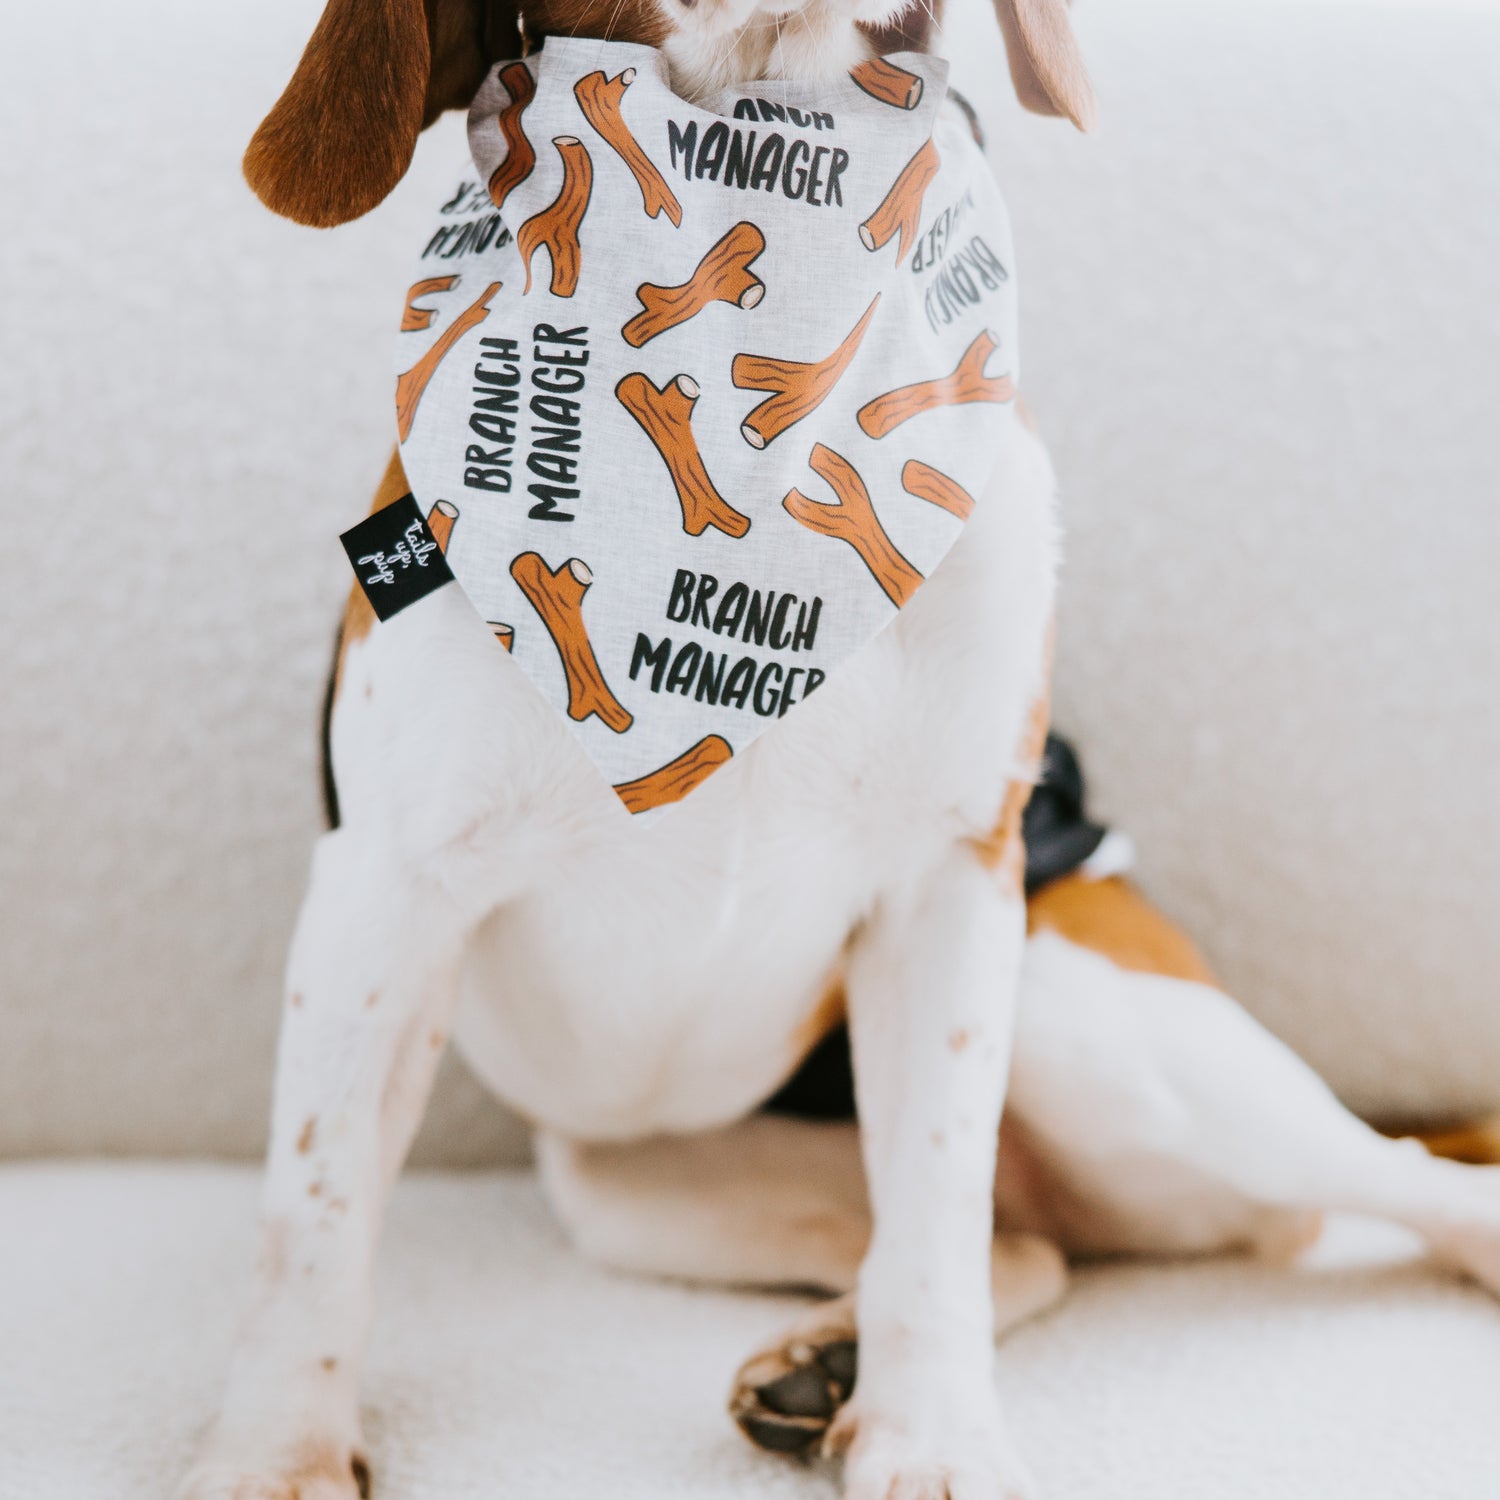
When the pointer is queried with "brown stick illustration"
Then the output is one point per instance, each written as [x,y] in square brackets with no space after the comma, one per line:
[853,520]
[520,154]
[505,634]
[799,387]
[557,596]
[440,521]
[673,781]
[415,319]
[927,483]
[409,387]
[901,208]
[885,81]
[966,384]
[723,275]
[599,99]
[557,225]
[666,417]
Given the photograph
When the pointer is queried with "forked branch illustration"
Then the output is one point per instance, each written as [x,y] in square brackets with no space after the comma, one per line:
[799,387]
[599,99]
[967,383]
[556,226]
[666,417]
[723,275]
[557,597]
[409,387]
[853,520]
[901,208]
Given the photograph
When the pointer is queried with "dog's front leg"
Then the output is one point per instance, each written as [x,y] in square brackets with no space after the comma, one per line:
[931,983]
[370,989]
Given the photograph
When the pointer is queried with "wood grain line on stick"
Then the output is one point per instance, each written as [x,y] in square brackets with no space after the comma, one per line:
[673,781]
[666,417]
[520,154]
[409,387]
[967,383]
[557,597]
[599,99]
[723,275]
[935,487]
[885,81]
[799,387]
[853,520]
[556,227]
[415,319]
[901,208]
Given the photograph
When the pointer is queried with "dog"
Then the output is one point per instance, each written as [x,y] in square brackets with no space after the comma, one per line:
[639,992]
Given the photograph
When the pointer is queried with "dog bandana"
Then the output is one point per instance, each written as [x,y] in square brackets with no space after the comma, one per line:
[694,396]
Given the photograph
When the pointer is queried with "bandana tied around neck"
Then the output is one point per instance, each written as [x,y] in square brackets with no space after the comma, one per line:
[694,396]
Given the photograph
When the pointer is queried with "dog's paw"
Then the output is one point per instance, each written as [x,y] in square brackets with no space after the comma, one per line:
[324,1475]
[956,1450]
[1468,1239]
[785,1397]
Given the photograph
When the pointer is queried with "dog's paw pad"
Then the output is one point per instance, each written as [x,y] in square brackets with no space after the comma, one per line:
[785,1398]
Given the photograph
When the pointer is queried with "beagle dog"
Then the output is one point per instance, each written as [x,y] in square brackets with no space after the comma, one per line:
[639,992]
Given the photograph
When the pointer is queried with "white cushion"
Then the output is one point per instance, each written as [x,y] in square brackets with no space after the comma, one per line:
[502,1364]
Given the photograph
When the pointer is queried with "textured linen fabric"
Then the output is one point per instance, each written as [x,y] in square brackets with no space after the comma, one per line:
[720,392]
[503,1364]
[1271,416]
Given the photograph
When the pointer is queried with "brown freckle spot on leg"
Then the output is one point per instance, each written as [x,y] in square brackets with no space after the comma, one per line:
[369,690]
[296,999]
[329,1363]
[315,1191]
[337,1205]
[436,1039]
[305,1140]
[373,1000]
[938,1138]
[958,1040]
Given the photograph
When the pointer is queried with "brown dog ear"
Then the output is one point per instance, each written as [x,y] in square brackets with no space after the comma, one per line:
[375,72]
[1045,64]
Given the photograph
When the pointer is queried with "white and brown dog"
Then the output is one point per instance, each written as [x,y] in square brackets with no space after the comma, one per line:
[638,993]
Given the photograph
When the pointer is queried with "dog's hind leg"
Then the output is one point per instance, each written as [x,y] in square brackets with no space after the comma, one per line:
[371,984]
[771,1201]
[1164,1117]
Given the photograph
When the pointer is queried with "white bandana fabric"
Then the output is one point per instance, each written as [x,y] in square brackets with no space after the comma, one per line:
[694,396]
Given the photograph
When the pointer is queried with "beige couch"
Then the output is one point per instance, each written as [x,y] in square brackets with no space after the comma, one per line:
[1260,311]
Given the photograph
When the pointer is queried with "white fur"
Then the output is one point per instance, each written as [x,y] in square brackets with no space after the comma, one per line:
[621,985]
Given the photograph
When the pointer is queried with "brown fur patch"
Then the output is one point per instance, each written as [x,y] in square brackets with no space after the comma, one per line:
[1477,1143]
[374,73]
[1112,918]
[830,1011]
[342,134]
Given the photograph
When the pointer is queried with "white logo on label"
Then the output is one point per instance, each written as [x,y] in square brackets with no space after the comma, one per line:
[414,548]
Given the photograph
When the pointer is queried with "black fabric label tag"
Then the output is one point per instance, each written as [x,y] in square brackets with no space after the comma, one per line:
[396,557]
